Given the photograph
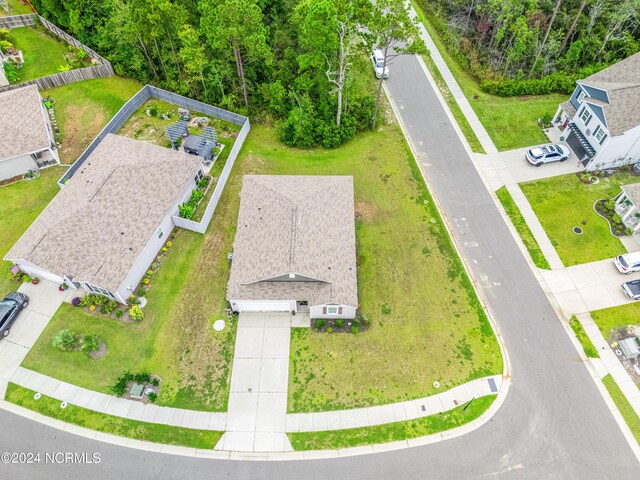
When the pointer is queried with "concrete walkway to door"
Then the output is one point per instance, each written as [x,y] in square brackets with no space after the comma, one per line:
[256,417]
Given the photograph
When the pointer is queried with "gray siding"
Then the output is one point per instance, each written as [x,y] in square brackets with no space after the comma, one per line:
[598,112]
[596,93]
[574,97]
[16,166]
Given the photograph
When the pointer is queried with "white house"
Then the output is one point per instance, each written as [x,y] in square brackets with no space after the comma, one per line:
[601,120]
[628,206]
[295,246]
[26,137]
[106,226]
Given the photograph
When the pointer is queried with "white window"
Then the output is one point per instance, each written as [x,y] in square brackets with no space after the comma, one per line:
[332,310]
[585,116]
[581,95]
[199,176]
[160,233]
[600,135]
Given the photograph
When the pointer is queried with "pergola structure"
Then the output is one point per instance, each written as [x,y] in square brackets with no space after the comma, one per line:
[201,145]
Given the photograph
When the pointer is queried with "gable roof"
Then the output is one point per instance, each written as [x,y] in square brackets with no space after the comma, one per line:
[633,193]
[302,225]
[22,122]
[98,224]
[621,81]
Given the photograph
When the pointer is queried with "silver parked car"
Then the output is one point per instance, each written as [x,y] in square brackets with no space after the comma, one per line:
[10,307]
[546,154]
[377,58]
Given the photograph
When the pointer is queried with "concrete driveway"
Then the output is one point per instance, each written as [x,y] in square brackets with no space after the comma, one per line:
[587,287]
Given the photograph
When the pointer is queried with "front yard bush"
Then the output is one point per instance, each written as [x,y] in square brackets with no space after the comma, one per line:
[136,312]
[65,340]
[90,343]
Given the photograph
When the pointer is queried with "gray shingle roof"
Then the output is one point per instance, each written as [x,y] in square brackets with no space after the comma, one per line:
[23,127]
[621,81]
[295,224]
[99,223]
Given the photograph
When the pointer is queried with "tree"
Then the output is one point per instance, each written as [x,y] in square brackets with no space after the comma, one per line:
[236,25]
[546,36]
[567,37]
[193,56]
[392,31]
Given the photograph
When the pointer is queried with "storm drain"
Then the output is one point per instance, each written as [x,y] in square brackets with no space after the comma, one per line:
[492,385]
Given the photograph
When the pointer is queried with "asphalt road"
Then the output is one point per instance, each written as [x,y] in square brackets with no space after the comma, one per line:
[553,425]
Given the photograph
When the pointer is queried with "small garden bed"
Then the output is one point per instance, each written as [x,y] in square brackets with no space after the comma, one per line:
[606,209]
[107,307]
[69,341]
[340,325]
[188,209]
[142,387]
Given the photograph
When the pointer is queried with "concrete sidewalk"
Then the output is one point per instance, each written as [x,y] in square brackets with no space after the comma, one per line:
[395,412]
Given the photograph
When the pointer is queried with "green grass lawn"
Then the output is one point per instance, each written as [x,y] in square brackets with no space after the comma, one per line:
[335,439]
[615,318]
[43,54]
[84,108]
[20,204]
[175,340]
[626,410]
[427,324]
[123,427]
[511,122]
[16,7]
[564,202]
[522,228]
[588,346]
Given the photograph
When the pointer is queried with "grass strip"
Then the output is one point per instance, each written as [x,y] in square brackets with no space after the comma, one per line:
[391,432]
[625,408]
[123,427]
[522,228]
[588,347]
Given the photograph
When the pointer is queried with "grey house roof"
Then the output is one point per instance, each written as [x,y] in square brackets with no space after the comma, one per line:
[621,81]
[23,127]
[99,223]
[302,225]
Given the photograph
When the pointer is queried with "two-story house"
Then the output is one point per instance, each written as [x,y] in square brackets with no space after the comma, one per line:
[601,120]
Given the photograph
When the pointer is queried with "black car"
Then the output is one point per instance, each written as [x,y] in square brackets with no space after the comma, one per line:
[10,307]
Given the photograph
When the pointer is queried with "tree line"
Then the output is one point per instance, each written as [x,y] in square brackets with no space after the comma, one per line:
[531,39]
[289,60]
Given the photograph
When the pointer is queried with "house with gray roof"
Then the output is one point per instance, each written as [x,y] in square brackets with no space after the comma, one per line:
[26,137]
[295,246]
[601,120]
[106,226]
[628,206]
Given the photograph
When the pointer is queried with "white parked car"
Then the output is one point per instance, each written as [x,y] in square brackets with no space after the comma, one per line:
[377,58]
[546,154]
[628,263]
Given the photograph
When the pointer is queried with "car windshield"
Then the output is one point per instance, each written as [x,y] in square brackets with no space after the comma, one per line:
[5,312]
[379,62]
[622,261]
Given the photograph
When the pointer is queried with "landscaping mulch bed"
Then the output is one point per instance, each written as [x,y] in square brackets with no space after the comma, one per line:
[332,325]
[101,352]
[617,229]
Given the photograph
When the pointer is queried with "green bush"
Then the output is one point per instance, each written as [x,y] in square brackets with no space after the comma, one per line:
[136,312]
[90,343]
[186,211]
[329,330]
[339,323]
[558,82]
[11,72]
[321,322]
[366,321]
[104,311]
[141,292]
[119,313]
[196,196]
[153,396]
[65,340]
[354,329]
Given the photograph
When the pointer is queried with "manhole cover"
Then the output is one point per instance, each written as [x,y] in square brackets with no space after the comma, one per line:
[218,325]
[436,384]
[577,230]
[63,405]
[37,396]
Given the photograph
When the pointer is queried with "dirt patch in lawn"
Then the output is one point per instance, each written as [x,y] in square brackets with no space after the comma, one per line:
[79,131]
[366,212]
[100,352]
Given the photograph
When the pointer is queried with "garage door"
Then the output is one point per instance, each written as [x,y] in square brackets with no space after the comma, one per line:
[42,274]
[263,306]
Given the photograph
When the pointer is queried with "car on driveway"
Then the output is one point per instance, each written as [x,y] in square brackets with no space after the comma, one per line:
[546,154]
[632,289]
[628,263]
[10,308]
[377,58]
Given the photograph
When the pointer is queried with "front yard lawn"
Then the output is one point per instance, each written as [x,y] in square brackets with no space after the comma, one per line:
[420,427]
[511,122]
[20,204]
[174,341]
[626,410]
[564,202]
[520,224]
[16,7]
[615,318]
[43,54]
[427,324]
[83,109]
[123,427]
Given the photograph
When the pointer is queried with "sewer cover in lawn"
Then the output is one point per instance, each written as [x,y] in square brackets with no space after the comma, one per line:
[218,325]
[577,230]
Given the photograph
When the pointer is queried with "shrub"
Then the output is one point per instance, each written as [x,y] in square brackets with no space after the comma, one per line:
[339,323]
[169,244]
[329,330]
[164,249]
[92,308]
[155,382]
[111,305]
[103,310]
[354,329]
[559,82]
[75,301]
[149,272]
[355,321]
[366,321]
[146,281]
[11,72]
[91,343]
[5,46]
[616,219]
[141,292]
[153,111]
[142,377]
[628,231]
[321,322]
[152,397]
[119,313]
[196,196]
[155,265]
[136,313]
[203,182]
[610,204]
[26,279]
[65,340]
[186,211]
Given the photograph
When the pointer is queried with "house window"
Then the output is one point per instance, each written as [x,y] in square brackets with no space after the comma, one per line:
[600,135]
[581,95]
[160,233]
[585,116]
[199,176]
[100,291]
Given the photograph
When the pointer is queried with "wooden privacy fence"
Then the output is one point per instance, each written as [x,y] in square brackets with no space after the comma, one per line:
[103,69]
[136,102]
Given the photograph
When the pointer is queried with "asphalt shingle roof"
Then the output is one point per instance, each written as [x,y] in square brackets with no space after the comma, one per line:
[99,223]
[23,128]
[621,81]
[303,225]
